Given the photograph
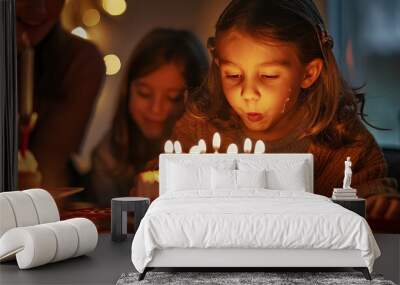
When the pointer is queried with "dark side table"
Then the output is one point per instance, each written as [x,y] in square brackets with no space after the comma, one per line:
[119,208]
[355,205]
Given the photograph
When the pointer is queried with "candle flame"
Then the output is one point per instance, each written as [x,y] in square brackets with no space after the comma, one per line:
[216,142]
[259,147]
[232,148]
[195,149]
[202,145]
[247,145]
[177,147]
[168,147]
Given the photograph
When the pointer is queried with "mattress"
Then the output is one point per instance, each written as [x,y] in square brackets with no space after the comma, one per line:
[250,219]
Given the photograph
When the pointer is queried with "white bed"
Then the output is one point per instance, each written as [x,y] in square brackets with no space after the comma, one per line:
[248,227]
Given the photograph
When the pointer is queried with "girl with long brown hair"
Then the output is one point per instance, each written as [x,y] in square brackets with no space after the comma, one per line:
[165,65]
[274,78]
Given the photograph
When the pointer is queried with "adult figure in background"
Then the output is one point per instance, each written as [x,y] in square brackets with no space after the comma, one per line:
[165,66]
[68,74]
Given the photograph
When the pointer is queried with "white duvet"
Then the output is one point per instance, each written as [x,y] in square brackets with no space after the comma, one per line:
[252,218]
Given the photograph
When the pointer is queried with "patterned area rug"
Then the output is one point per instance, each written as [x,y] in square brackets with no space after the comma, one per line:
[229,278]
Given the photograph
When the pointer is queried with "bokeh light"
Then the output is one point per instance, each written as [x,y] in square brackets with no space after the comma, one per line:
[114,7]
[80,32]
[91,17]
[113,64]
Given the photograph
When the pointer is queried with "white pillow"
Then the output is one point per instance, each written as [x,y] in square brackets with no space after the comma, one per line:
[189,174]
[201,160]
[280,174]
[236,179]
[223,179]
[292,179]
[181,178]
[251,178]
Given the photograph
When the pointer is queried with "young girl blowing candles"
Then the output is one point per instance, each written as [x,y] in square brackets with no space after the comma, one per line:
[274,78]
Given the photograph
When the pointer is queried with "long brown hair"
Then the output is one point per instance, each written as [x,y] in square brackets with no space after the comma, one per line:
[160,46]
[330,102]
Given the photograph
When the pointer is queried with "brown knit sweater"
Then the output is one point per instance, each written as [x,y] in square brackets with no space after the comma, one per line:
[368,164]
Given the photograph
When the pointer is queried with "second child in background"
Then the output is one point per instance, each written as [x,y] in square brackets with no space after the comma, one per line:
[165,64]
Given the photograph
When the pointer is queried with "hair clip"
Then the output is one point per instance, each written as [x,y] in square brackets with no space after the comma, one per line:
[327,40]
[211,43]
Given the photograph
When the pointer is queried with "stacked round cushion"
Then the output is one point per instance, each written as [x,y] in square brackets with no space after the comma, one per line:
[31,230]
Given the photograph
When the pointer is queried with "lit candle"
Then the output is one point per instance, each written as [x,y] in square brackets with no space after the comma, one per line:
[177,147]
[216,142]
[195,149]
[168,147]
[26,101]
[232,148]
[202,145]
[247,145]
[259,147]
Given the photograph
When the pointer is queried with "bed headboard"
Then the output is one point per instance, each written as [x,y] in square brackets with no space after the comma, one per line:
[210,158]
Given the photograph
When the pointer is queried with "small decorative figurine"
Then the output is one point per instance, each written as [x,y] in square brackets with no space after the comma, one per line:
[346,192]
[347,174]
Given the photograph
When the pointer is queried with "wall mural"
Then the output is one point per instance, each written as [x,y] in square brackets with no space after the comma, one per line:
[104,87]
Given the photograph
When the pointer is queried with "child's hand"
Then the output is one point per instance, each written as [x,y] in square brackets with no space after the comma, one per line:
[383,207]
